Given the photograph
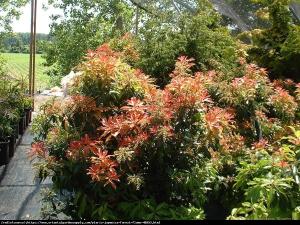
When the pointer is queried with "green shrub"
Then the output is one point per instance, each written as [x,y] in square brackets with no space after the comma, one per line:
[270,181]
[199,36]
[277,48]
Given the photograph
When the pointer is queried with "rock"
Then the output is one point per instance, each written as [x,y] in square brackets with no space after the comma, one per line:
[55,89]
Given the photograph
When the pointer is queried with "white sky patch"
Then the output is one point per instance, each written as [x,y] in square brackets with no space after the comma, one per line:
[43,18]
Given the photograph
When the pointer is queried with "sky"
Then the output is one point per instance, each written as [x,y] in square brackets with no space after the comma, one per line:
[43,20]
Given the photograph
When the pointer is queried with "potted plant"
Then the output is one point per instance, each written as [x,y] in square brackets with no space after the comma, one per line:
[13,119]
[5,132]
[22,123]
[4,125]
[28,102]
[15,101]
[12,114]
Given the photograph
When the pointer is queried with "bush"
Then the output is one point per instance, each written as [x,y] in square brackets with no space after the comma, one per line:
[108,79]
[277,48]
[269,178]
[120,148]
[199,36]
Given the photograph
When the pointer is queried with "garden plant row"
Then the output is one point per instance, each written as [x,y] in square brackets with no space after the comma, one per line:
[15,116]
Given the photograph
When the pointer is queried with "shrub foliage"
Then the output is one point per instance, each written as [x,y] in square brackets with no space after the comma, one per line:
[120,148]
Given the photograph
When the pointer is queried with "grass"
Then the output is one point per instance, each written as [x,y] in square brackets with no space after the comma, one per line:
[17,66]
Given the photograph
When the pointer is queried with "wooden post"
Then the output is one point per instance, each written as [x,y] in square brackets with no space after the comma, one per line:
[31,45]
[32,50]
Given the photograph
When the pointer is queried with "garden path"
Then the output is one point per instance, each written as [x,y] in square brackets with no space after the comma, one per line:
[20,193]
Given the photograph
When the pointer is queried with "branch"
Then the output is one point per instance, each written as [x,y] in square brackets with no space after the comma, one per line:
[296,16]
[258,129]
[177,9]
[141,7]
[185,5]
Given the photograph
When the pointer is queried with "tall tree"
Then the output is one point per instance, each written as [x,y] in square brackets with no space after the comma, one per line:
[9,9]
[196,33]
[85,25]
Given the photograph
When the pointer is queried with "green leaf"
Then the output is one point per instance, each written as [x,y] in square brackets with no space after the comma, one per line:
[82,206]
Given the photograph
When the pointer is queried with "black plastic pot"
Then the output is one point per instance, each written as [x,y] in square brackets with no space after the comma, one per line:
[16,131]
[22,125]
[28,113]
[28,116]
[4,152]
[12,145]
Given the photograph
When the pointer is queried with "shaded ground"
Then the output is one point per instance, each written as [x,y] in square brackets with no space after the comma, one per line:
[20,194]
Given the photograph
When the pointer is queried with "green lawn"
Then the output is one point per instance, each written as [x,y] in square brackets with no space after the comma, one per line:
[18,67]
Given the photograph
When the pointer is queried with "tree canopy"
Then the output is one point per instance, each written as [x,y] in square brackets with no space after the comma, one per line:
[164,30]
[9,9]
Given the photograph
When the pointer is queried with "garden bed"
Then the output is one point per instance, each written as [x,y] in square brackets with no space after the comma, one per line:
[15,116]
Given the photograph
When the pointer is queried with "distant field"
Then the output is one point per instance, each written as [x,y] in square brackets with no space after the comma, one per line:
[18,67]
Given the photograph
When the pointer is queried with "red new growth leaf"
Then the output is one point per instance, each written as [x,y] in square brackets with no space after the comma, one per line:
[129,122]
[111,178]
[261,144]
[39,150]
[82,104]
[283,102]
[79,150]
[103,168]
[134,105]
[282,164]
[217,120]
[183,66]
[76,145]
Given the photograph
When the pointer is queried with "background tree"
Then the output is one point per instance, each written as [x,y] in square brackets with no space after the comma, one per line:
[166,30]
[194,30]
[277,48]
[86,24]
[9,9]
[19,42]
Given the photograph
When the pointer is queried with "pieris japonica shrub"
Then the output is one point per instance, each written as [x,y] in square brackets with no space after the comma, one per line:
[108,79]
[121,148]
